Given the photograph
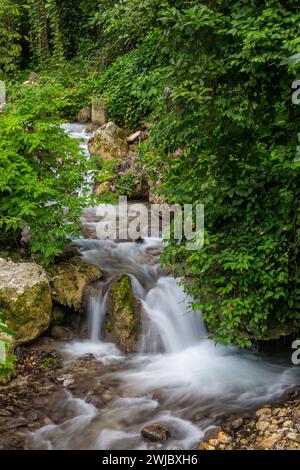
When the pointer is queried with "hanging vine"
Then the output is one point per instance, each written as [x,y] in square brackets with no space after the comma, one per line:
[10,48]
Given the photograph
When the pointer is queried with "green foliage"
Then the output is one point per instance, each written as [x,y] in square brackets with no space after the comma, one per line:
[7,369]
[42,171]
[227,137]
[10,35]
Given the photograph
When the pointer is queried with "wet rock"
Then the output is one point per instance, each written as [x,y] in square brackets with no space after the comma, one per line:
[69,279]
[263,411]
[269,442]
[123,319]
[66,380]
[262,425]
[25,299]
[84,115]
[14,423]
[109,142]
[292,436]
[212,433]
[213,442]
[206,446]
[283,412]
[156,432]
[288,424]
[224,438]
[58,314]
[62,333]
[237,423]
[96,401]
[47,421]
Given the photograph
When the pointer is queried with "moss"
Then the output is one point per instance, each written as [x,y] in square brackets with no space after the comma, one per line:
[69,279]
[28,313]
[124,316]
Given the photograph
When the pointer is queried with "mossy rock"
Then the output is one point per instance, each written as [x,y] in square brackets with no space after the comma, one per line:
[69,279]
[124,314]
[25,299]
[109,142]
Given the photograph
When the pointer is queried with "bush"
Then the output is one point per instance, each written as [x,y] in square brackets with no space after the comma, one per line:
[42,171]
[7,368]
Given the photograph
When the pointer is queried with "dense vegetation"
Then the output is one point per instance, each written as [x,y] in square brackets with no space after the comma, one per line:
[215,79]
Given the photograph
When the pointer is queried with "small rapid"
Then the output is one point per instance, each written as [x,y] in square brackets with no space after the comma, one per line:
[178,372]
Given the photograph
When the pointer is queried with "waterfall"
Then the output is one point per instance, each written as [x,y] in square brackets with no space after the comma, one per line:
[96,315]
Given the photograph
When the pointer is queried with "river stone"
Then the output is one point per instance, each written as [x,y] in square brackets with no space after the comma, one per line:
[156,432]
[270,441]
[84,115]
[263,411]
[224,438]
[109,142]
[212,433]
[99,113]
[237,423]
[205,446]
[62,333]
[123,319]
[25,299]
[69,280]
[292,436]
[262,425]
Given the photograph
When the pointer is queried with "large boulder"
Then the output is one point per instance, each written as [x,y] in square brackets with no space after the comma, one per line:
[69,281]
[123,318]
[109,142]
[99,113]
[25,299]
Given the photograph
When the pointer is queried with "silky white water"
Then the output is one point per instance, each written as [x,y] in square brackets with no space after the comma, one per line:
[177,374]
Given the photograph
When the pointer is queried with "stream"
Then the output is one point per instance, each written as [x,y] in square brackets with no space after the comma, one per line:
[178,378]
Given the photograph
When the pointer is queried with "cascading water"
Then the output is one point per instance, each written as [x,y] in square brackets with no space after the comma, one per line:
[176,362]
[178,373]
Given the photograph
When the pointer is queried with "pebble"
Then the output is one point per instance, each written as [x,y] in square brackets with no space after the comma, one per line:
[205,446]
[212,433]
[213,442]
[224,438]
[237,423]
[283,412]
[262,425]
[270,441]
[263,411]
[288,424]
[292,436]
